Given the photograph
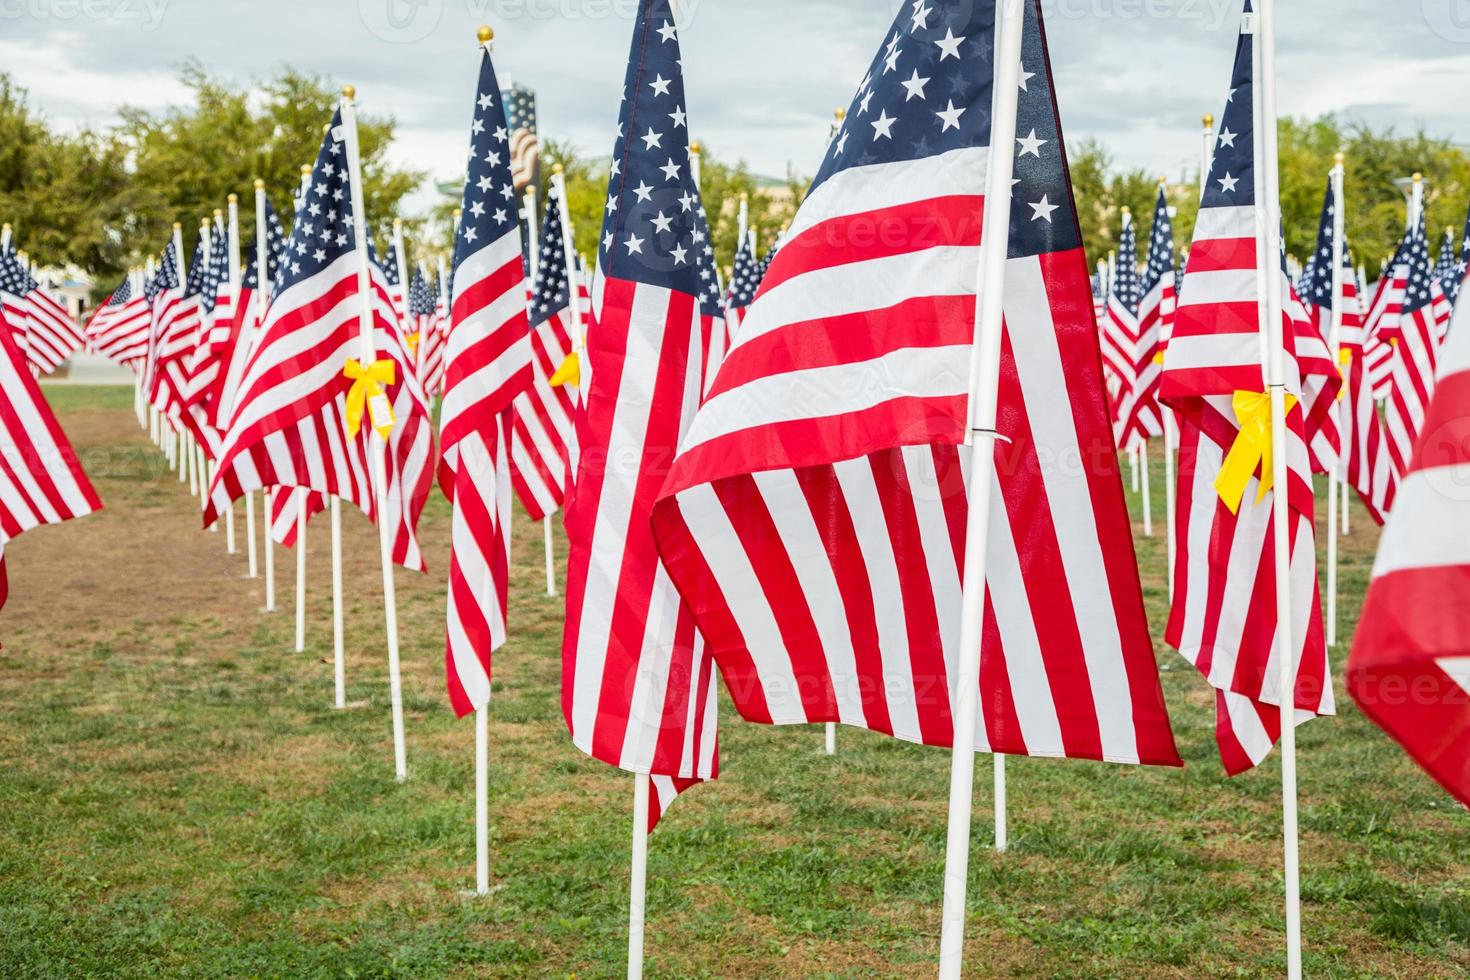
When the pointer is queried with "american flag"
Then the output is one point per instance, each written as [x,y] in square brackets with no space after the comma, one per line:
[1462,266]
[543,453]
[1224,614]
[1141,417]
[487,364]
[814,518]
[118,329]
[1364,461]
[393,276]
[525,145]
[41,480]
[236,336]
[176,320]
[745,279]
[207,357]
[638,690]
[289,424]
[431,344]
[1385,310]
[1410,665]
[1444,268]
[421,315]
[50,335]
[1120,323]
[1421,325]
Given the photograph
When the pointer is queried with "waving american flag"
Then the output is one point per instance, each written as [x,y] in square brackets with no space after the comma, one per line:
[118,329]
[487,364]
[543,450]
[1120,324]
[289,425]
[1422,321]
[1364,461]
[1140,417]
[1224,615]
[637,684]
[814,518]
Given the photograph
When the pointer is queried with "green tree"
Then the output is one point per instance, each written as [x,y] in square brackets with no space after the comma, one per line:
[193,156]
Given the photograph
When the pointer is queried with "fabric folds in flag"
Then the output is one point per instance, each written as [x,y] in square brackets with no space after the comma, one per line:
[814,519]
[543,454]
[637,684]
[288,426]
[1421,326]
[118,329]
[1223,619]
[1410,666]
[487,364]
[41,479]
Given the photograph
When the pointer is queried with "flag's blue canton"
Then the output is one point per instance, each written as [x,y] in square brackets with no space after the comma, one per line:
[745,278]
[1421,275]
[420,300]
[653,229]
[390,267]
[194,285]
[323,232]
[13,275]
[219,268]
[520,108]
[765,266]
[489,207]
[1444,268]
[1232,180]
[929,92]
[1160,247]
[275,246]
[167,276]
[122,293]
[550,293]
[1317,281]
[1127,287]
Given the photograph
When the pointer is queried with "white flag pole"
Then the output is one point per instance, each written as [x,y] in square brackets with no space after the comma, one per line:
[482,801]
[569,256]
[1268,219]
[339,666]
[251,562]
[178,460]
[1335,344]
[5,236]
[368,355]
[301,573]
[984,392]
[638,879]
[268,509]
[1207,152]
[1171,443]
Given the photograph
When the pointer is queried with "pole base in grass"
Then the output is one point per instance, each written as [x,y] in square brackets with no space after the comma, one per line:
[472,893]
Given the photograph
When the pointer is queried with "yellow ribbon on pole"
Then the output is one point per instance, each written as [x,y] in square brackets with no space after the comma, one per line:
[570,372]
[412,340]
[1251,449]
[1345,359]
[367,393]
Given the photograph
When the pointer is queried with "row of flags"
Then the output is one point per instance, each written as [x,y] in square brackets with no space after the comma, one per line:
[770,478]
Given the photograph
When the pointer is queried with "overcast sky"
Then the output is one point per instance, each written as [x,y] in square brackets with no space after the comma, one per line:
[762,76]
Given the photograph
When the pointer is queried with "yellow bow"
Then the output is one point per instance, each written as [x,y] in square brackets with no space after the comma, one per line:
[367,393]
[412,340]
[1344,358]
[1159,359]
[1251,450]
[570,372]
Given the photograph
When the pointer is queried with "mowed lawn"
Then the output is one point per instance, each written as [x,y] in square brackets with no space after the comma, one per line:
[178,798]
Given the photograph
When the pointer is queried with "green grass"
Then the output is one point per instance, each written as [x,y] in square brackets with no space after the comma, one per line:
[177,797]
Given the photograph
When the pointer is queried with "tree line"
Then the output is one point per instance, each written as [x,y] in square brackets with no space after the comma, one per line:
[103,199]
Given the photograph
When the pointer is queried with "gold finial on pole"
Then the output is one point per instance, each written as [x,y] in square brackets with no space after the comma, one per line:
[557,168]
[1418,178]
[260,184]
[178,226]
[349,92]
[1209,120]
[840,114]
[1338,158]
[305,172]
[486,34]
[233,199]
[696,147]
